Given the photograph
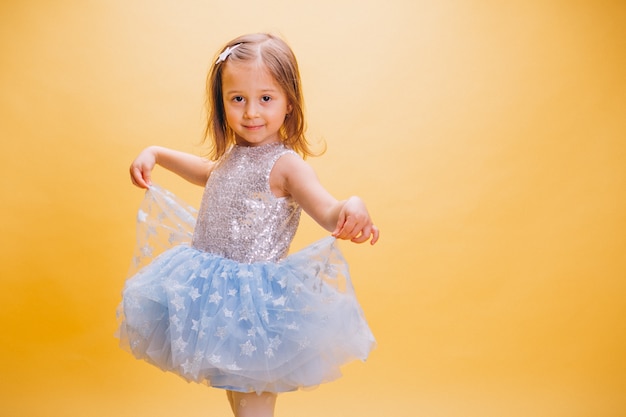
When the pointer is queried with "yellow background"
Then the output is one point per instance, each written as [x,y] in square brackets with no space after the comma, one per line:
[489,139]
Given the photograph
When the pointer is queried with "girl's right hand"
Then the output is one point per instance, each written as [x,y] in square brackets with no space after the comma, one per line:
[142,166]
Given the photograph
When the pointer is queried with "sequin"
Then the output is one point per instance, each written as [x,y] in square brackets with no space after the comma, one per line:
[256,226]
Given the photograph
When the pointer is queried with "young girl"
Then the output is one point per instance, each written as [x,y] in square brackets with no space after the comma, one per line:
[230,308]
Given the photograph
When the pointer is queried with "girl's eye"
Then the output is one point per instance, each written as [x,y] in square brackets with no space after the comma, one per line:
[266,99]
[238,99]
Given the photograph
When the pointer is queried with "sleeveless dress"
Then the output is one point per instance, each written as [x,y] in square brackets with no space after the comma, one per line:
[220,302]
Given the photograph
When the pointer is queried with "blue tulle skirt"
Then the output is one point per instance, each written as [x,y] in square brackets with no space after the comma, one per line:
[266,326]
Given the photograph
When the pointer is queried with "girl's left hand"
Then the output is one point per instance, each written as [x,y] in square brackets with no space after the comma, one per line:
[354,223]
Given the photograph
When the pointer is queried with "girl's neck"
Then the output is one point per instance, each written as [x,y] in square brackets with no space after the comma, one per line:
[247,145]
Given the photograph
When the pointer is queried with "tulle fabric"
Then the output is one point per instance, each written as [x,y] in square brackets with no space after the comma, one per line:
[246,327]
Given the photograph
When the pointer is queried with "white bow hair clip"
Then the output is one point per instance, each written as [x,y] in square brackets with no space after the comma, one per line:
[226,53]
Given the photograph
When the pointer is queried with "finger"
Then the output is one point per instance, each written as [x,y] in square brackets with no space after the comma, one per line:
[340,222]
[363,236]
[345,227]
[147,178]
[137,177]
[375,234]
[349,229]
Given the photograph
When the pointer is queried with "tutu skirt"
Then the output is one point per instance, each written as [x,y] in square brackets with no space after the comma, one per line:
[265,326]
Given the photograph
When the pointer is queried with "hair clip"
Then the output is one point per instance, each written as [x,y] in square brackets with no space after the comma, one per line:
[226,53]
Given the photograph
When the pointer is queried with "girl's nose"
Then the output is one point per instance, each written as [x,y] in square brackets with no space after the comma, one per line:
[251,111]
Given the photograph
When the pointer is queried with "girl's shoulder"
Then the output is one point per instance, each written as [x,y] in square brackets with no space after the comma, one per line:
[291,167]
[289,160]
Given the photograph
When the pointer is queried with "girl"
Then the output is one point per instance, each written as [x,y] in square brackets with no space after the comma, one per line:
[229,308]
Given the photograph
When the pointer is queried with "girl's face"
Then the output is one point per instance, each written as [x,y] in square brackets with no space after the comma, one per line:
[254,103]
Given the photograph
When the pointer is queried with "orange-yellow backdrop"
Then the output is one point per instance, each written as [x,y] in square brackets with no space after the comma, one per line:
[489,139]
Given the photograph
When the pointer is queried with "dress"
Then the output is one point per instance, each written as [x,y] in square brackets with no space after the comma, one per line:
[225,305]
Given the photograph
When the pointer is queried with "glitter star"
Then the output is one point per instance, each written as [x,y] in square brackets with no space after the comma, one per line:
[179,344]
[175,320]
[304,344]
[146,251]
[247,348]
[265,316]
[221,332]
[275,342]
[194,294]
[280,301]
[151,231]
[244,314]
[215,298]
[142,216]
[173,238]
[178,302]
[233,367]
[186,366]
[244,274]
[282,282]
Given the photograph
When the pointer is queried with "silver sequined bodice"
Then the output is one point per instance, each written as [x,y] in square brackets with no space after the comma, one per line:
[239,217]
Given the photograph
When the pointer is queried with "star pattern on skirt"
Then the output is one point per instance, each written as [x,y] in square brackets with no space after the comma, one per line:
[142,216]
[275,342]
[187,366]
[243,273]
[215,298]
[179,344]
[303,344]
[280,301]
[194,294]
[233,367]
[178,302]
[247,348]
[221,332]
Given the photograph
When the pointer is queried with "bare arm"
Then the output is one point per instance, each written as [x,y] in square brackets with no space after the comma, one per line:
[193,168]
[347,219]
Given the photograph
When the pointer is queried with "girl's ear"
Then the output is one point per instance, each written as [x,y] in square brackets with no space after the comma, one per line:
[289,108]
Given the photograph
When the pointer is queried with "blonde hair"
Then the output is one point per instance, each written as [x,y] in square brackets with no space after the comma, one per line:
[278,58]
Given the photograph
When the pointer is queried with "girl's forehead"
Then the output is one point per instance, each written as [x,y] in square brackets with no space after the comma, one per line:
[243,74]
